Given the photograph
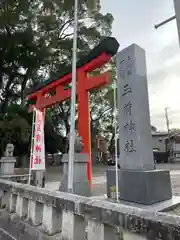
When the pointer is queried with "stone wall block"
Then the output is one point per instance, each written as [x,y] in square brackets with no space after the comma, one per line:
[52,220]
[35,213]
[95,230]
[19,206]
[73,227]
[111,232]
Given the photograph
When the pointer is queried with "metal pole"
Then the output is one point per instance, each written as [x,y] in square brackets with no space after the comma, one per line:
[73,103]
[164,22]
[116,157]
[32,144]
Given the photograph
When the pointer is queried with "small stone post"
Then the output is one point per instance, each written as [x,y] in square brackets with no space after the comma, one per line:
[7,162]
[81,184]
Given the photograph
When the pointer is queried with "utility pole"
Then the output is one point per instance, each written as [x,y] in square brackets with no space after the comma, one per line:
[175,17]
[168,129]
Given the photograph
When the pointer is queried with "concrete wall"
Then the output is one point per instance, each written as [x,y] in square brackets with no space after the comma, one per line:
[176,146]
[28,212]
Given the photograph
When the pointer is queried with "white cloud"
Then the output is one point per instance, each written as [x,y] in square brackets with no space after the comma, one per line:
[134,23]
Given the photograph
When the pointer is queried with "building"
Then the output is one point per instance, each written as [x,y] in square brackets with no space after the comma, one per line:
[175,145]
[159,142]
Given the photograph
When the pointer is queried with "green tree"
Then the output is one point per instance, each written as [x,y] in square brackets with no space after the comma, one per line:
[174,130]
[36,41]
[36,45]
[16,127]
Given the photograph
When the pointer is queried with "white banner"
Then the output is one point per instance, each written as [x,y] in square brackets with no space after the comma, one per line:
[38,153]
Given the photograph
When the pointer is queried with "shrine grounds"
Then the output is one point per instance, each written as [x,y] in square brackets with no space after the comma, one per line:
[54,176]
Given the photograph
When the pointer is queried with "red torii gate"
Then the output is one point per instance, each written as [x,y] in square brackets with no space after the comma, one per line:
[52,92]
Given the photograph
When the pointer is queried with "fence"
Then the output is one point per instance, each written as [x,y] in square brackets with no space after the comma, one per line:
[29,212]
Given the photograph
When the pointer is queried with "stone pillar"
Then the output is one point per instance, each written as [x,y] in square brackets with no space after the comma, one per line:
[19,206]
[73,227]
[133,107]
[12,203]
[81,184]
[52,220]
[95,230]
[35,212]
[139,181]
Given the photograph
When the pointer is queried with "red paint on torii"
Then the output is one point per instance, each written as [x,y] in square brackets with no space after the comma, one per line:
[84,85]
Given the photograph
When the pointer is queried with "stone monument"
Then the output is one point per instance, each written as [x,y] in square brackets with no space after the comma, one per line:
[8,161]
[138,180]
[81,185]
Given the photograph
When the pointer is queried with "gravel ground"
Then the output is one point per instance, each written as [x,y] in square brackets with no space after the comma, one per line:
[54,176]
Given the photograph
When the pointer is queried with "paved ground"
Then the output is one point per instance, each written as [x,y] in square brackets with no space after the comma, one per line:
[54,176]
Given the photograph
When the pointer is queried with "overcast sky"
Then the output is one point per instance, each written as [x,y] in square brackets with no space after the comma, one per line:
[134,22]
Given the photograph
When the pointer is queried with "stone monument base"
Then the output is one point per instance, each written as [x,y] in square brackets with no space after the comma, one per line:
[7,165]
[81,184]
[142,187]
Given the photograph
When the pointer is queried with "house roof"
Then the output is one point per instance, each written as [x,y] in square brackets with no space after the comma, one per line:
[161,134]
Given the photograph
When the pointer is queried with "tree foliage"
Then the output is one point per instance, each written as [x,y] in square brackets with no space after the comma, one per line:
[16,127]
[36,41]
[35,45]
[153,128]
[174,130]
